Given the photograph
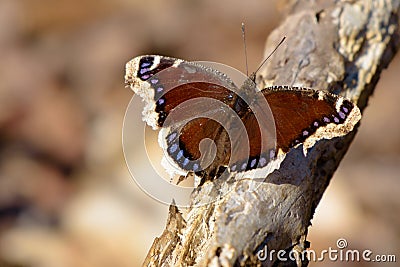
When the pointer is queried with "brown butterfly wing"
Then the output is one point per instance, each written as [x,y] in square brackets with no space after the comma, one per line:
[298,114]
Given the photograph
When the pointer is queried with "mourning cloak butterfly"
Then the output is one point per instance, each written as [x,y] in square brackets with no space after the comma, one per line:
[300,116]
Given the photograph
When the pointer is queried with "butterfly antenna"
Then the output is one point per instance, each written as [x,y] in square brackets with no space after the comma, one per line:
[245,48]
[265,60]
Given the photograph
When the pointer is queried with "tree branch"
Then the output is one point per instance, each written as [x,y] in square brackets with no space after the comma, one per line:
[341,47]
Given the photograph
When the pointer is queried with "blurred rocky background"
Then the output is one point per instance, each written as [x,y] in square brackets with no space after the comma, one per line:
[66,196]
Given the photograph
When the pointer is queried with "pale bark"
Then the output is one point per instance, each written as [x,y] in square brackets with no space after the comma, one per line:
[339,46]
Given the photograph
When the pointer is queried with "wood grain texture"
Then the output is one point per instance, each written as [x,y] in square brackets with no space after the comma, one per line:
[337,46]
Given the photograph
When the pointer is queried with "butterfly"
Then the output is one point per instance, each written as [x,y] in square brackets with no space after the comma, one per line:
[250,130]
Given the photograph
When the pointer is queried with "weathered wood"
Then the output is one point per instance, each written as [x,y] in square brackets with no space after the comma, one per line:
[341,47]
